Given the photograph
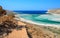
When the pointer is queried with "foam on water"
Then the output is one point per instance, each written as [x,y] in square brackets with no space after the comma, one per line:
[44,19]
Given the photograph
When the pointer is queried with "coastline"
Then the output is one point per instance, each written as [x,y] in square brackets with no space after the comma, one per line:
[31,22]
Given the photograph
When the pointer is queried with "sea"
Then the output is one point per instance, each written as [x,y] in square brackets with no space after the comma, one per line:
[40,17]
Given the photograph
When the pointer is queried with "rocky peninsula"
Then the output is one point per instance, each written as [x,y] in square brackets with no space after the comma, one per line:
[56,11]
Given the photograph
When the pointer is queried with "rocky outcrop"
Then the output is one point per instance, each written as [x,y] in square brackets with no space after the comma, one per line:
[56,11]
[11,28]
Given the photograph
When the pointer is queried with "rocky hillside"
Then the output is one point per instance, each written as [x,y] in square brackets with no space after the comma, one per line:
[57,11]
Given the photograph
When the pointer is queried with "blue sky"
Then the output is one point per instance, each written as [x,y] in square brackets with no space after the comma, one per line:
[30,4]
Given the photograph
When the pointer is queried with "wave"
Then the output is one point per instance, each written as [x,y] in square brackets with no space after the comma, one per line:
[50,17]
[41,19]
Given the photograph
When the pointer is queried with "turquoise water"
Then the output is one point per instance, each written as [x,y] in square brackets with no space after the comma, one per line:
[42,18]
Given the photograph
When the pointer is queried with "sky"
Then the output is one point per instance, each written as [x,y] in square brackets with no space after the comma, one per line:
[30,4]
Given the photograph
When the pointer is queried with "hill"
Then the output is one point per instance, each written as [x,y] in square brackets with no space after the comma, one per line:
[56,11]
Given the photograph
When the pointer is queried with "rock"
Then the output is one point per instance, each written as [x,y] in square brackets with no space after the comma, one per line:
[56,11]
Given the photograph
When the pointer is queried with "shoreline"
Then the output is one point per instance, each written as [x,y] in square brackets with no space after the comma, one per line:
[31,22]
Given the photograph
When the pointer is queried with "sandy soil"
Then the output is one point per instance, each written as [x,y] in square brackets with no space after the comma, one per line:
[18,33]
